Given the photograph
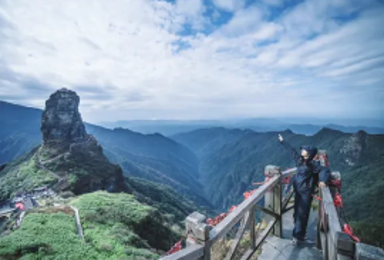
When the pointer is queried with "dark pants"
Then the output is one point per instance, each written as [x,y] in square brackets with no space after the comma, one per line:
[302,207]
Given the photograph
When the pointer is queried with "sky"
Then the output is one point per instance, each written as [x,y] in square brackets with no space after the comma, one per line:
[196,59]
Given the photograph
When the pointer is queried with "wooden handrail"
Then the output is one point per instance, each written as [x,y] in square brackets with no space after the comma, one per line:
[191,252]
[334,243]
[288,173]
[233,218]
[246,208]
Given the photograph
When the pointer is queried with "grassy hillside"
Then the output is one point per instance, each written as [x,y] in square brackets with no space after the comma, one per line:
[83,170]
[170,203]
[23,175]
[116,226]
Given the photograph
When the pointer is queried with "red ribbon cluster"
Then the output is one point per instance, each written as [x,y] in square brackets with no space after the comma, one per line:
[348,230]
[177,247]
[337,200]
[336,184]
[286,180]
[216,220]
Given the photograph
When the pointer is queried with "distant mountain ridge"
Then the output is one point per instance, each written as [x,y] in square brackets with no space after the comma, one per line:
[152,157]
[172,127]
[216,165]
[19,130]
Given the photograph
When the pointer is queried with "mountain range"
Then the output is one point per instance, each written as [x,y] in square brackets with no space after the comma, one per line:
[122,216]
[213,166]
[172,127]
[152,157]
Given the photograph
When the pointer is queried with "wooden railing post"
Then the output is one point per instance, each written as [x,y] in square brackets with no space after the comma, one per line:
[319,214]
[277,207]
[252,228]
[273,200]
[198,233]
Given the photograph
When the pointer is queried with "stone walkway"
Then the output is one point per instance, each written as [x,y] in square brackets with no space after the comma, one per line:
[281,248]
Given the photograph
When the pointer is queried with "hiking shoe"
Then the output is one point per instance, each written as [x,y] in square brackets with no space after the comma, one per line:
[307,241]
[303,241]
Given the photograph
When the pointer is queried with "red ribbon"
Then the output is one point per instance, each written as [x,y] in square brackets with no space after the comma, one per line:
[338,201]
[348,230]
[177,247]
[316,197]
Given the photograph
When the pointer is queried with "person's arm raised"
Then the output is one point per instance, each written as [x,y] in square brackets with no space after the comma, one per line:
[295,155]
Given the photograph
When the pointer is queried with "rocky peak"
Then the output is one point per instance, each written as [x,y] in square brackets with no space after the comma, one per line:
[70,154]
[61,123]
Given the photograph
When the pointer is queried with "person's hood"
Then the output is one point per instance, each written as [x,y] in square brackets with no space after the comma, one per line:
[311,150]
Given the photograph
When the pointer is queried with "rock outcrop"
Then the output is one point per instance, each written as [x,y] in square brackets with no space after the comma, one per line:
[61,123]
[70,153]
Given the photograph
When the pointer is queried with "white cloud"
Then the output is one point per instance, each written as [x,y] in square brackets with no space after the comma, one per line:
[229,5]
[135,59]
[244,21]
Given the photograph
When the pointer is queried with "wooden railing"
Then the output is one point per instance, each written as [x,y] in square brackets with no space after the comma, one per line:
[335,244]
[200,238]
[330,239]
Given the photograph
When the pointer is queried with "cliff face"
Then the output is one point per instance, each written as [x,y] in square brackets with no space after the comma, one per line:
[61,123]
[75,156]
[69,159]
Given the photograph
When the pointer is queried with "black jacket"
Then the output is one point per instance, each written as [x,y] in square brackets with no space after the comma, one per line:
[309,172]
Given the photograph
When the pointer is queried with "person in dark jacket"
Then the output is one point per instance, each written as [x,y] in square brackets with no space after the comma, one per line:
[309,173]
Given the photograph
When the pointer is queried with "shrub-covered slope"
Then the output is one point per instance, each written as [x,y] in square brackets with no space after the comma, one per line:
[116,226]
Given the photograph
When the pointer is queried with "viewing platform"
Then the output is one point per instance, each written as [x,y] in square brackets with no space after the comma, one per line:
[238,237]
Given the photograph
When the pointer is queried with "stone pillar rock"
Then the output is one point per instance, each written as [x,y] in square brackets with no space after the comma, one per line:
[61,123]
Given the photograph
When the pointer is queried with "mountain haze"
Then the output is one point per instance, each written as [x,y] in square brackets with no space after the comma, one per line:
[173,127]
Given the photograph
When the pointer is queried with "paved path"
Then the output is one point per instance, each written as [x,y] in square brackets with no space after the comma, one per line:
[285,250]
[78,223]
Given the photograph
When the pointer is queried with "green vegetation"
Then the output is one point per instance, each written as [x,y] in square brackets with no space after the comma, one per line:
[46,236]
[362,191]
[227,163]
[153,157]
[116,226]
[118,219]
[87,169]
[370,231]
[23,175]
[170,204]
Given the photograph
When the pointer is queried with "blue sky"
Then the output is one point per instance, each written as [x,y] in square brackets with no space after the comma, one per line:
[195,59]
